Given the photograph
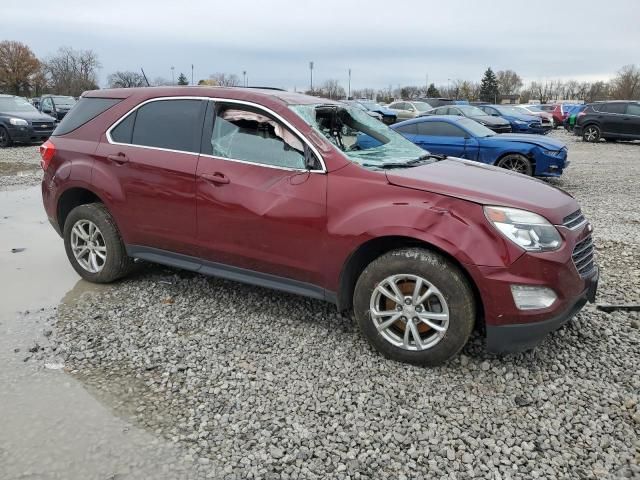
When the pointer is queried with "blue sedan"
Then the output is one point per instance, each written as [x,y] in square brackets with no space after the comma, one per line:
[520,122]
[464,138]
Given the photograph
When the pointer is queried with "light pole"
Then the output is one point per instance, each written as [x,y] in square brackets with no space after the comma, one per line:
[173,79]
[449,86]
[311,76]
[244,78]
[192,74]
[349,91]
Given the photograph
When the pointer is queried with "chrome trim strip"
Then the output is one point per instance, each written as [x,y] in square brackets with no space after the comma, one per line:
[223,100]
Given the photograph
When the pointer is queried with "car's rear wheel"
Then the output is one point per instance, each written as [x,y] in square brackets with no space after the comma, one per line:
[93,244]
[5,138]
[591,133]
[414,306]
[517,163]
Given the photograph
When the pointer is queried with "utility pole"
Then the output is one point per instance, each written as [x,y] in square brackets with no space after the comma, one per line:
[173,79]
[244,78]
[349,92]
[192,74]
[311,74]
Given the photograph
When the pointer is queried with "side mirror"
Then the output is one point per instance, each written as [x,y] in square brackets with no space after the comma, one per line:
[46,110]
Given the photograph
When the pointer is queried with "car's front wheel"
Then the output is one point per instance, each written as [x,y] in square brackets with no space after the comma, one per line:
[5,138]
[414,306]
[517,163]
[591,133]
[93,244]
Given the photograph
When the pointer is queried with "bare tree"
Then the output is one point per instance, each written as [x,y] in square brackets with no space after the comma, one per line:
[125,79]
[225,80]
[331,88]
[71,72]
[509,82]
[18,67]
[161,82]
[626,84]
[409,92]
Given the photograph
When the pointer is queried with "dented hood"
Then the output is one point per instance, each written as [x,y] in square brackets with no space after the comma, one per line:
[486,185]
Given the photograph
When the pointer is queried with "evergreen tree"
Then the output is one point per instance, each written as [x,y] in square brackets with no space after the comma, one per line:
[182,79]
[432,91]
[489,87]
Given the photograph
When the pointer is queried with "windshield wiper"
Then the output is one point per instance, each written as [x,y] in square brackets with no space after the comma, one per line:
[421,160]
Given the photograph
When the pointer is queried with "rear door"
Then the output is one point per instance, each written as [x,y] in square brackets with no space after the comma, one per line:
[259,207]
[632,120]
[441,137]
[149,160]
[613,118]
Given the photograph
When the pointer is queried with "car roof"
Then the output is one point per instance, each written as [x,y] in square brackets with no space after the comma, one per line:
[236,93]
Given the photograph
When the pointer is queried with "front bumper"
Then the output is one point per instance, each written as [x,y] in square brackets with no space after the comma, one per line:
[520,337]
[29,134]
[555,270]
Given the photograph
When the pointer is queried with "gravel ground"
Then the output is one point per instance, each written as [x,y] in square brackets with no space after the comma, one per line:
[252,383]
[20,166]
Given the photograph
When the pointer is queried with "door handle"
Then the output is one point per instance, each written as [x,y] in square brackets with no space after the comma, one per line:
[217,177]
[120,158]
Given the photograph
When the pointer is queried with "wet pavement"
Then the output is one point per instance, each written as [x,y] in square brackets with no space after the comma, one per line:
[52,427]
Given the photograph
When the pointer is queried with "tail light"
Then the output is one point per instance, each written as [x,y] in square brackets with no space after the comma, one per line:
[47,151]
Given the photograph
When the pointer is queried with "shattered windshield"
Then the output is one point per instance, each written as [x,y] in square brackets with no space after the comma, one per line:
[360,137]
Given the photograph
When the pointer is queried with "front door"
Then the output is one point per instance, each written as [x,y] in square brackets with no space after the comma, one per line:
[441,137]
[259,207]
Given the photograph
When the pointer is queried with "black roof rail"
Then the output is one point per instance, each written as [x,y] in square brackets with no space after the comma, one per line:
[267,88]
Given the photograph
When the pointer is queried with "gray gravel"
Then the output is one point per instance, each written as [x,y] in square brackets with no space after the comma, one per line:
[20,166]
[251,383]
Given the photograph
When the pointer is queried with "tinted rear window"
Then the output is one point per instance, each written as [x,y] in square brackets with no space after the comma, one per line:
[169,124]
[86,109]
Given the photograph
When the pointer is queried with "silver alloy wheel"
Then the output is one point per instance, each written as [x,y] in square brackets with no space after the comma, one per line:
[515,163]
[591,134]
[88,246]
[409,312]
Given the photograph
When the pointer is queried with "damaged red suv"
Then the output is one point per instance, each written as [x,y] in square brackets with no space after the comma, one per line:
[270,188]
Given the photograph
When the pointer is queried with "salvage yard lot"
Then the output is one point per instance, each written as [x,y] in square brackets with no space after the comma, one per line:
[251,383]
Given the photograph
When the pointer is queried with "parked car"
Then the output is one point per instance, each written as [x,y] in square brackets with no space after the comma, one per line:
[437,102]
[259,186]
[371,113]
[56,105]
[615,120]
[463,138]
[20,122]
[559,112]
[388,116]
[406,109]
[536,111]
[497,124]
[520,121]
[572,113]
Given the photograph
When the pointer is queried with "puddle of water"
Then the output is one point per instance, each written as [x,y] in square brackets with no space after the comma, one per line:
[51,426]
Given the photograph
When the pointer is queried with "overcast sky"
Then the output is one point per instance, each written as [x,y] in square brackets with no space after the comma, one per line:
[384,42]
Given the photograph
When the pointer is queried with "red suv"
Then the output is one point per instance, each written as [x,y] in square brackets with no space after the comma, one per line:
[270,188]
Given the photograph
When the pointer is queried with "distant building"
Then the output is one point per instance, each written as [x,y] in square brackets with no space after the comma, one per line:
[509,99]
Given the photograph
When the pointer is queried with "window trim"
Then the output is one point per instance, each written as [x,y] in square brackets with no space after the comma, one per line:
[213,100]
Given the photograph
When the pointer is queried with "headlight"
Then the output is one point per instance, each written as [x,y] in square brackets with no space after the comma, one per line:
[526,229]
[553,153]
[18,122]
[519,122]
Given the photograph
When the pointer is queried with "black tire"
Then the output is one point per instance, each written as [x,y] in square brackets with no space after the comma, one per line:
[5,138]
[591,133]
[442,274]
[117,264]
[516,163]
